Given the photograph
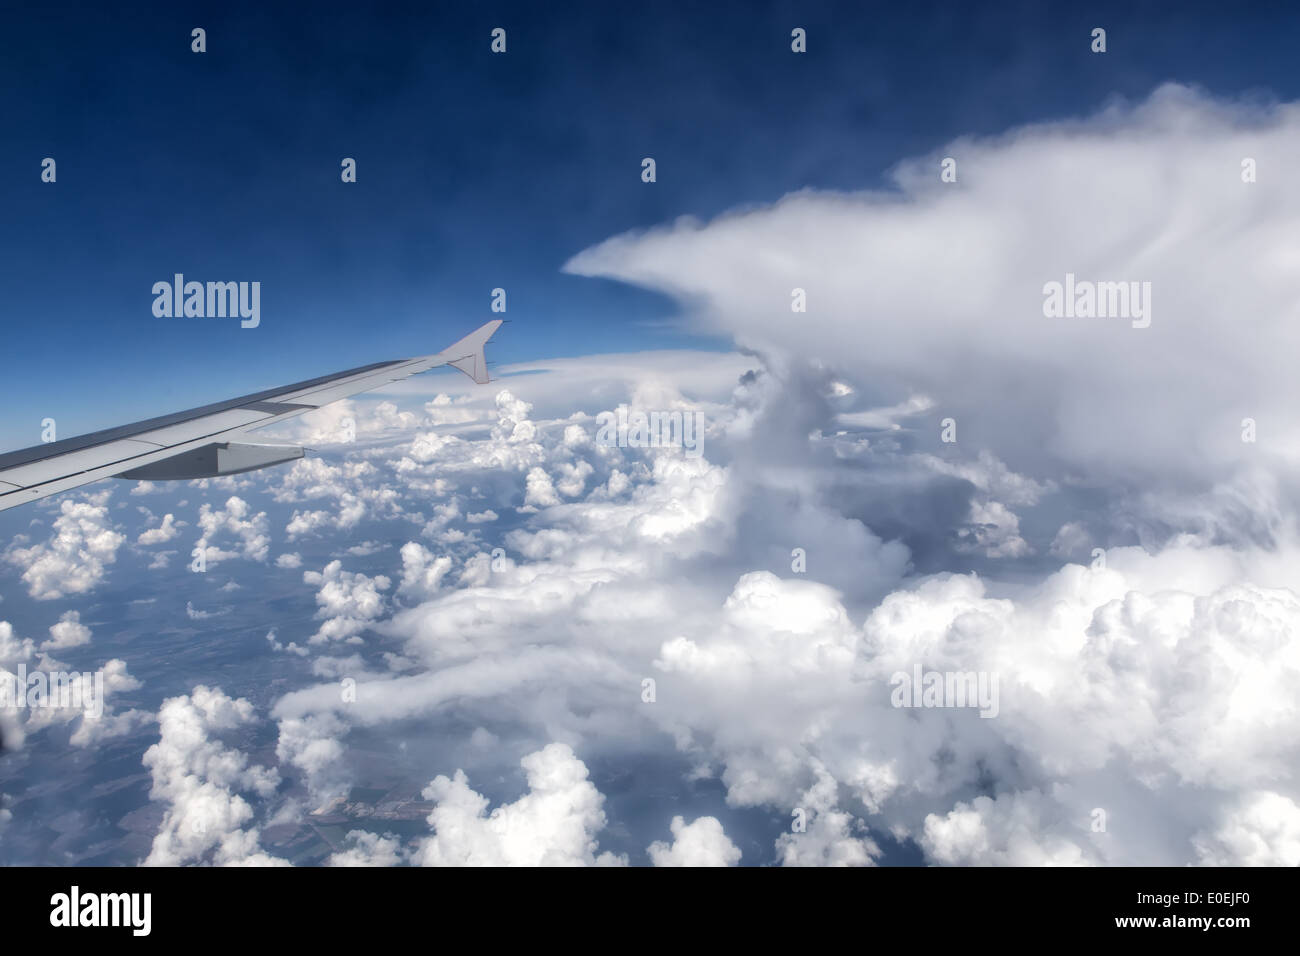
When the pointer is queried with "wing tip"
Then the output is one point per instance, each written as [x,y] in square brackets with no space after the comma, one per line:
[469,354]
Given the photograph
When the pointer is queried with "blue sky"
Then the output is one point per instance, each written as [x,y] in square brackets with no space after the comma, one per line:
[475,170]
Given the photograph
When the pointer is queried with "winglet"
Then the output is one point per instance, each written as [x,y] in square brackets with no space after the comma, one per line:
[467,354]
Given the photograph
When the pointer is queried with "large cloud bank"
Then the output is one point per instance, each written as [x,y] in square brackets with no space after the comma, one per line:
[936,288]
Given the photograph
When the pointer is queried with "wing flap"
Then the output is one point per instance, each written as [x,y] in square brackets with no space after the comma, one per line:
[204,427]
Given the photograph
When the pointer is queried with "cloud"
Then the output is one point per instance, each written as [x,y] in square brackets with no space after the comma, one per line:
[194,614]
[1262,829]
[828,836]
[700,843]
[235,519]
[290,648]
[541,490]
[936,289]
[1008,831]
[368,849]
[309,745]
[161,534]
[76,557]
[14,650]
[777,682]
[421,572]
[56,697]
[68,632]
[198,779]
[349,601]
[554,824]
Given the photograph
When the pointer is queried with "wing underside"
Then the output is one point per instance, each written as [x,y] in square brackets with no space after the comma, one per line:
[205,441]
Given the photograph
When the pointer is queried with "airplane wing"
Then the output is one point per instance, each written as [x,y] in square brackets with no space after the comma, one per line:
[204,442]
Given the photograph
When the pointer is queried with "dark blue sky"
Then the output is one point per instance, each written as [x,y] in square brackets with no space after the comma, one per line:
[476,170]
